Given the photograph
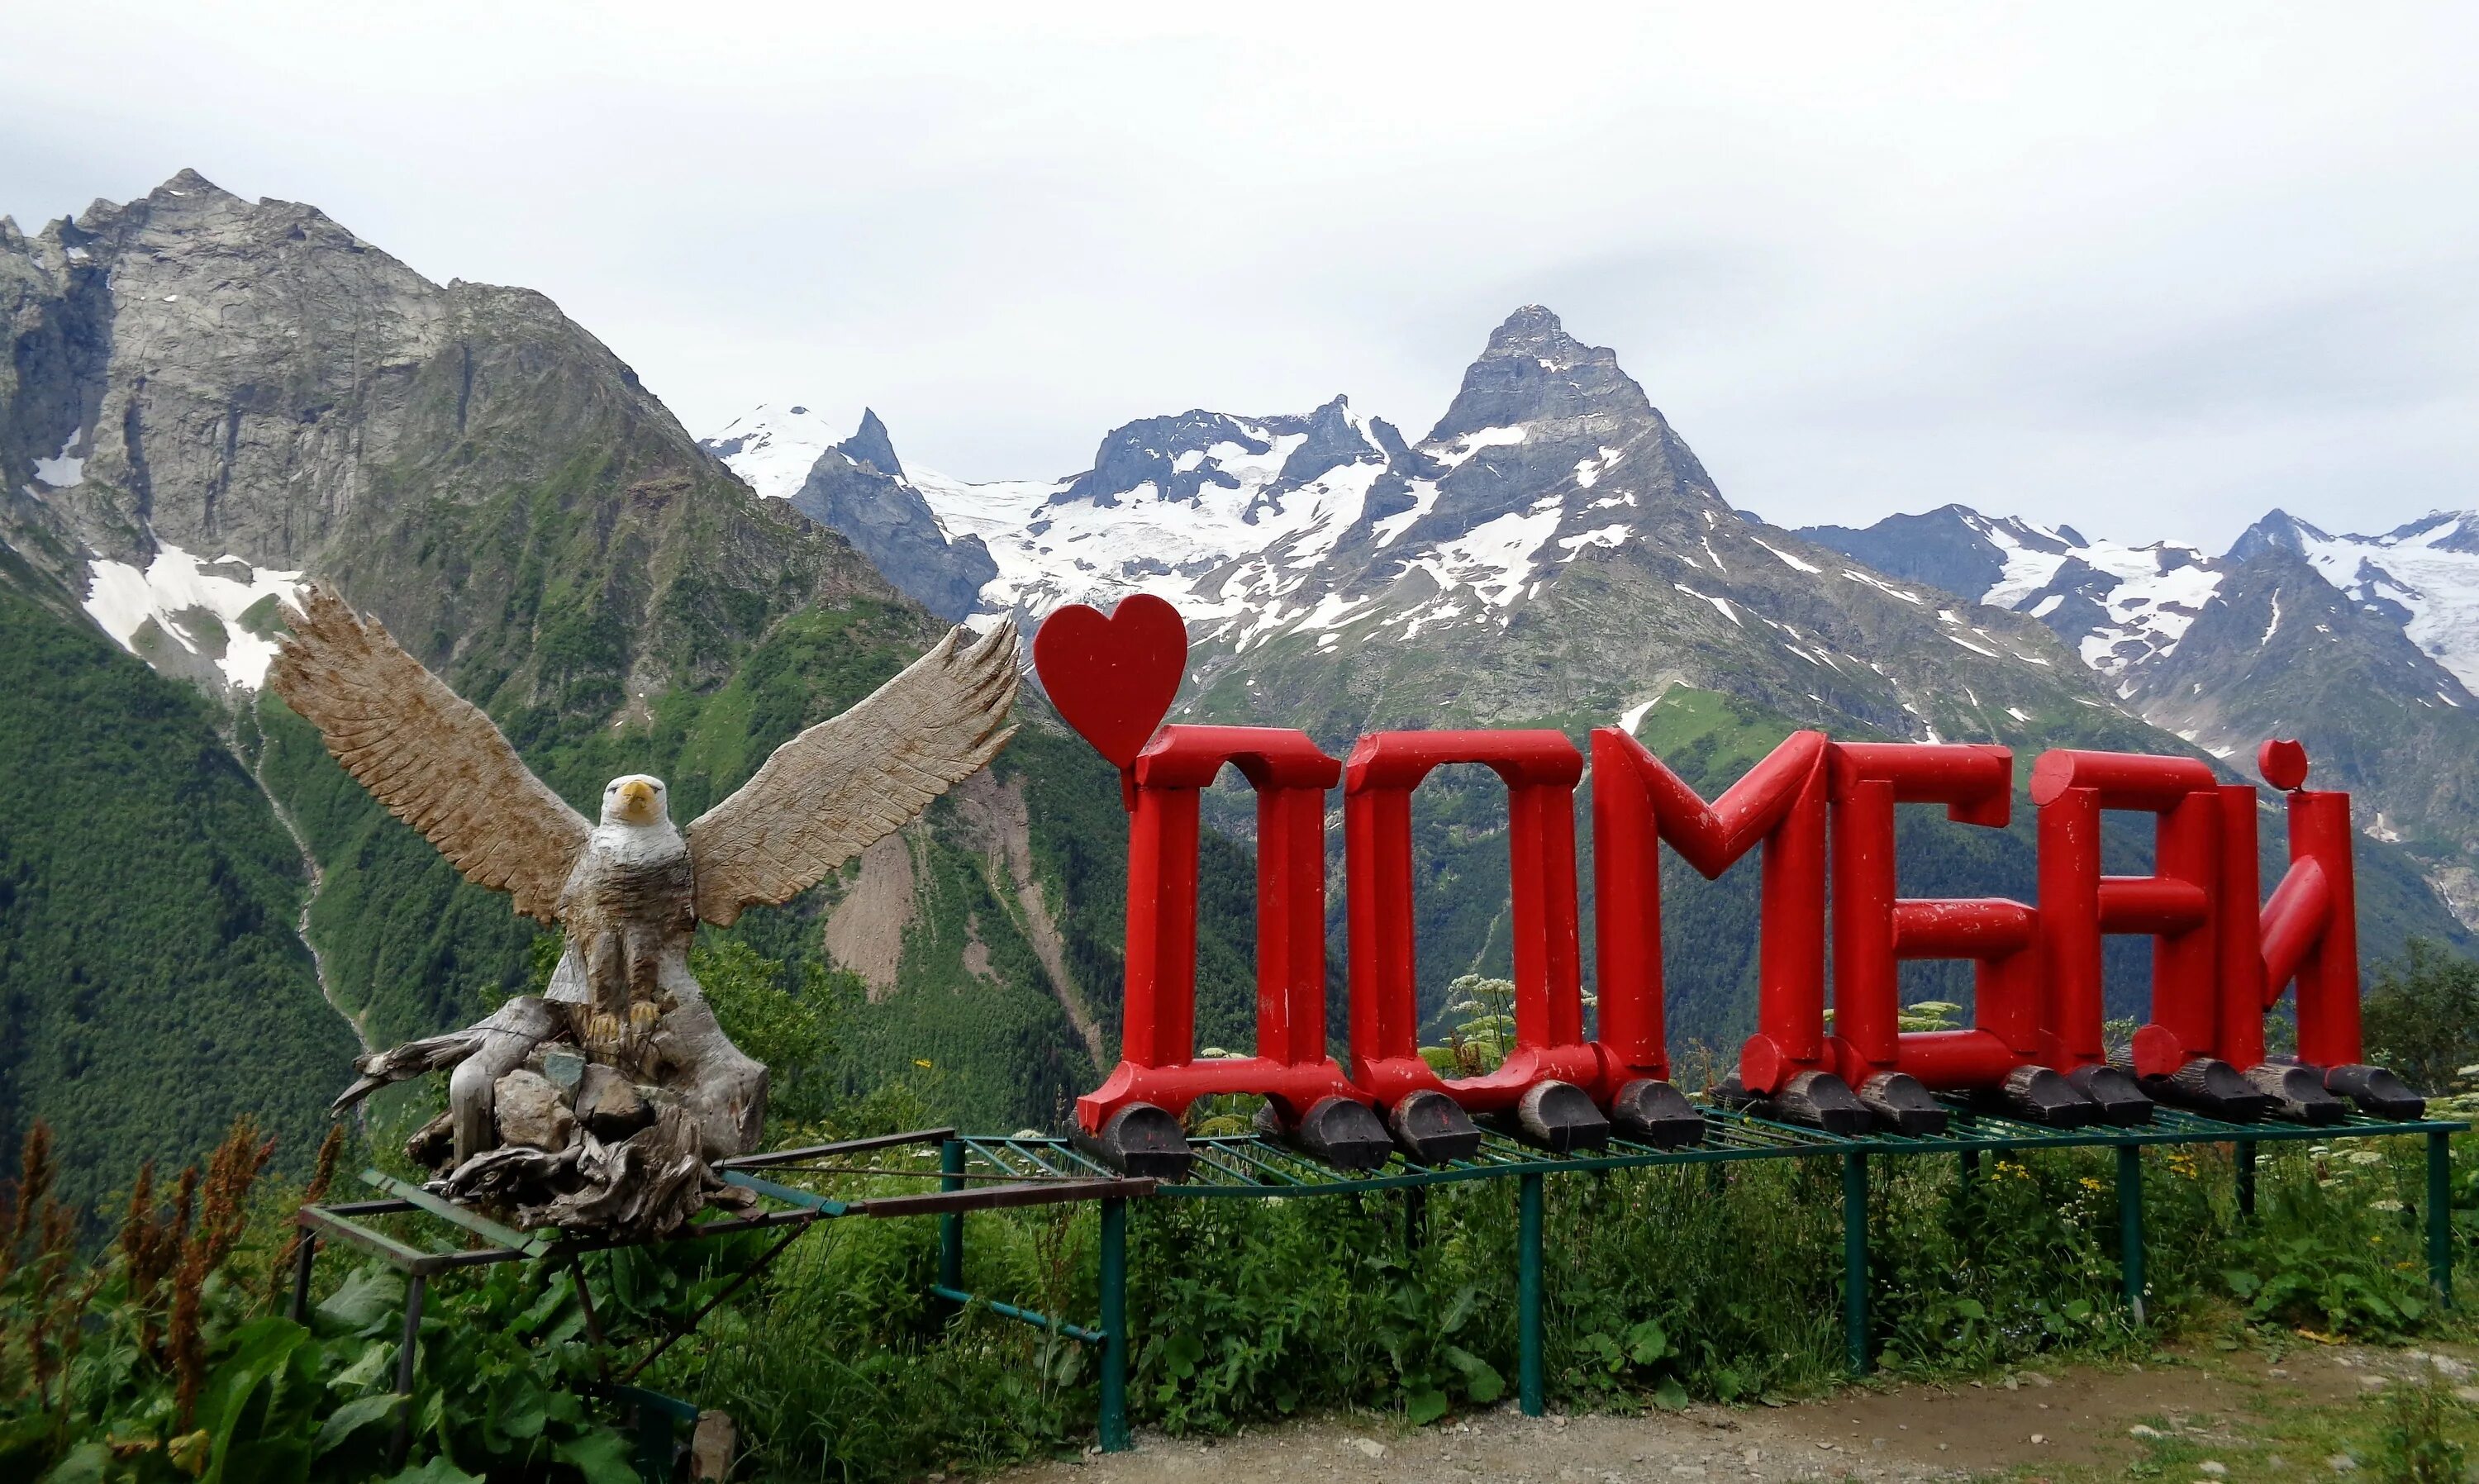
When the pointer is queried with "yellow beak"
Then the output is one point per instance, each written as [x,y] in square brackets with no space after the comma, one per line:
[637,798]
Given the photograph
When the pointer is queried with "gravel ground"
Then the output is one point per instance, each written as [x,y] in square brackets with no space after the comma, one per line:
[2069,1416]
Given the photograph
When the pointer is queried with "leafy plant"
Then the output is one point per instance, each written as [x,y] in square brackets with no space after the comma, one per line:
[2413,1447]
[2332,1251]
[2420,1016]
[1478,1042]
[157,1360]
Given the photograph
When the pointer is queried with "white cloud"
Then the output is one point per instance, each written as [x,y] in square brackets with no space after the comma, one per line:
[2149,270]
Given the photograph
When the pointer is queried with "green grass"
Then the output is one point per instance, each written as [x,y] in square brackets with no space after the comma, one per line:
[2416,1429]
[1719,1283]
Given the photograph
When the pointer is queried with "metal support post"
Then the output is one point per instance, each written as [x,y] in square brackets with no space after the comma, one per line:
[1114,1325]
[305,1251]
[1855,1261]
[1970,1164]
[1527,1295]
[2129,1224]
[585,1305]
[951,1226]
[658,1444]
[415,1285]
[1415,1218]
[657,1422]
[2246,1179]
[2440,1214]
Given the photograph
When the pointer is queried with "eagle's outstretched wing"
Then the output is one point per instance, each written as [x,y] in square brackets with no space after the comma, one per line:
[842,785]
[431,756]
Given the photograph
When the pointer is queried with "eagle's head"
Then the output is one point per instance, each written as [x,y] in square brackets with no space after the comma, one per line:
[635,800]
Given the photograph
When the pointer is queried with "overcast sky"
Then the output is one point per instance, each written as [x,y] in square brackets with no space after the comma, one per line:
[2148,269]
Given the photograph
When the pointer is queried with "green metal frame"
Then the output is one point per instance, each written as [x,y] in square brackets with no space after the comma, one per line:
[657,1422]
[1253,1167]
[1053,1170]
[476,1240]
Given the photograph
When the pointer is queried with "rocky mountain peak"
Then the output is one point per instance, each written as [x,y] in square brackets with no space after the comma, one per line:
[871,446]
[2441,531]
[216,397]
[1335,436]
[1177,456]
[2278,531]
[189,183]
[772,447]
[1533,371]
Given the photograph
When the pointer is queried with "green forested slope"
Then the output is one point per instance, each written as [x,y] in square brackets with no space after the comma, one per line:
[151,984]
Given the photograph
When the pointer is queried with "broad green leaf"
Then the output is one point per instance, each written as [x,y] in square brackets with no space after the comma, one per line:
[1647,1342]
[602,1455]
[367,1368]
[85,1465]
[435,1470]
[1425,1406]
[354,1415]
[1481,1381]
[525,1417]
[373,1296]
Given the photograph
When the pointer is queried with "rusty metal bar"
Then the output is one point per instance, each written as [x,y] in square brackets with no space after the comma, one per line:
[840,1146]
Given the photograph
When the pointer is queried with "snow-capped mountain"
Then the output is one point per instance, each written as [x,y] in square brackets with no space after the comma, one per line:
[1551,520]
[2424,576]
[2119,605]
[772,447]
[2365,647]
[1242,521]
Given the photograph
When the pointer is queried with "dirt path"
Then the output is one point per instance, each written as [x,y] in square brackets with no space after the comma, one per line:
[2076,1419]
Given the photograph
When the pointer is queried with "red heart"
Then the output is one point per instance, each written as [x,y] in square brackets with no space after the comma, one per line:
[1113,678]
[2283,764]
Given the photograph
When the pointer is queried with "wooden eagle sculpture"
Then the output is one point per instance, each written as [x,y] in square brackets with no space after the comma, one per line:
[601,1103]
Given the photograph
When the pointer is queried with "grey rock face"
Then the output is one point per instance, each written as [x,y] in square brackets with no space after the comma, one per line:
[2279,652]
[250,379]
[870,446]
[2277,531]
[1532,370]
[1945,548]
[857,489]
[1153,452]
[2257,643]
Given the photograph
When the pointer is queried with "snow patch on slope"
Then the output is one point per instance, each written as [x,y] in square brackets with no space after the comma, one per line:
[2429,567]
[195,603]
[773,449]
[62,471]
[1228,546]
[2148,596]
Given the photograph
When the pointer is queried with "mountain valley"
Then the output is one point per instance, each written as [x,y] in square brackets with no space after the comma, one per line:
[211,399]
